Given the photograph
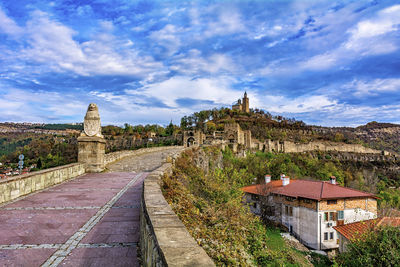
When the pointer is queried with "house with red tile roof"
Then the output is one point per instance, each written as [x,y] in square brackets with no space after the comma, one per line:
[310,209]
[351,231]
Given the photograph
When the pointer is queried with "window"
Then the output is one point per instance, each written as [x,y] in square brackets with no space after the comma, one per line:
[340,215]
[331,202]
[331,235]
[326,236]
[331,216]
[326,216]
[290,198]
[286,210]
[290,211]
[309,201]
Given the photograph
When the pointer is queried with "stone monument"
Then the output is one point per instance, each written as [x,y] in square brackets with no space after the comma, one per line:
[91,143]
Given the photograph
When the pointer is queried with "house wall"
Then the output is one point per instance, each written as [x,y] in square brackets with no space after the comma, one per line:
[253,202]
[303,224]
[354,210]
[343,241]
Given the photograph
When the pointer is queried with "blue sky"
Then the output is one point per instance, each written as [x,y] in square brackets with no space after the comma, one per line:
[333,63]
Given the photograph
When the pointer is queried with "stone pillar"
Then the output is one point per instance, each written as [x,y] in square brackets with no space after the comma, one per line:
[91,143]
[91,152]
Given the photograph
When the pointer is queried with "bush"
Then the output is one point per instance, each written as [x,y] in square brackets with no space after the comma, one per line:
[379,247]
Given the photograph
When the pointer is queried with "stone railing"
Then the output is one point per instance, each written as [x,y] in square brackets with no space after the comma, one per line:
[28,183]
[114,156]
[164,240]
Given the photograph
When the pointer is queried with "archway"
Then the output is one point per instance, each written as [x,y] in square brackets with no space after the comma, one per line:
[190,141]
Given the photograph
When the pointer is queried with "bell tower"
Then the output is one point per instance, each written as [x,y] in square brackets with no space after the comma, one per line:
[245,103]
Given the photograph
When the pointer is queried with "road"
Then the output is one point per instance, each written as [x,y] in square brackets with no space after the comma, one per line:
[92,220]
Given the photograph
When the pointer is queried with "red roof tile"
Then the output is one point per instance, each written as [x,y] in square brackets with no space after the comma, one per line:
[317,190]
[354,230]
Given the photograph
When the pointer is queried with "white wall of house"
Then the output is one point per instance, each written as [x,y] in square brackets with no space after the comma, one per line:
[350,216]
[303,223]
[327,227]
[356,215]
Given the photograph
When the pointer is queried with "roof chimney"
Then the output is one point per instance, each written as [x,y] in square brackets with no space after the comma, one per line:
[267,178]
[332,180]
[285,181]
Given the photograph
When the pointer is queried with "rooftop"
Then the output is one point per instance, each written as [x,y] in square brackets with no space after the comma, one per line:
[316,190]
[356,229]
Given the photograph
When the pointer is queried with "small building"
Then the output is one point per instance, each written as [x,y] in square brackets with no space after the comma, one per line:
[193,138]
[310,209]
[150,134]
[354,230]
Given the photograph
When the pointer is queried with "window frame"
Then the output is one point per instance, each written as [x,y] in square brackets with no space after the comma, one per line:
[340,215]
[331,202]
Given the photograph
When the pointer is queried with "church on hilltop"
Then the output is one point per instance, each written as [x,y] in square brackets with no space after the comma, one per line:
[242,104]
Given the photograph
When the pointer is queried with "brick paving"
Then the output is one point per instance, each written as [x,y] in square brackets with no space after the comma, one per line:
[92,220]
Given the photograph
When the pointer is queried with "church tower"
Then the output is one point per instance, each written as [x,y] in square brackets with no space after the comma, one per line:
[245,103]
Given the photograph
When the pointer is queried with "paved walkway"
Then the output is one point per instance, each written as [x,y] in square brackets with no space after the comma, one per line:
[92,220]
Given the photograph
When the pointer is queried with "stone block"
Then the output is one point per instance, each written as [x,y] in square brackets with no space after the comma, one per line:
[187,257]
[91,151]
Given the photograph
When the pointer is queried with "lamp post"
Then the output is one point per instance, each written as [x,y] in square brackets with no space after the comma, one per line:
[20,163]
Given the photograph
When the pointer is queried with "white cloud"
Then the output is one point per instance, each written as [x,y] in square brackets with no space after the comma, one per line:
[192,63]
[53,44]
[8,26]
[228,22]
[39,106]
[169,37]
[302,104]
[168,91]
[366,36]
[373,87]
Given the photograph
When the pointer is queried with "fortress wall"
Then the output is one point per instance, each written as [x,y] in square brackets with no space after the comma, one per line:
[292,147]
[21,185]
[164,240]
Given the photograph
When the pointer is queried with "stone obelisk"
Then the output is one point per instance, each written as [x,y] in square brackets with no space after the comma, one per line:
[91,143]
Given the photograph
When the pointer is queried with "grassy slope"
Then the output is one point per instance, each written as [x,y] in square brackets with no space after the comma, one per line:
[210,207]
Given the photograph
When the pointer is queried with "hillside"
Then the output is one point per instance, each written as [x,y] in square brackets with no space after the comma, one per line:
[381,136]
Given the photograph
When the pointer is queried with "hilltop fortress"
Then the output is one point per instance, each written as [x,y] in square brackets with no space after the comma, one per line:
[241,140]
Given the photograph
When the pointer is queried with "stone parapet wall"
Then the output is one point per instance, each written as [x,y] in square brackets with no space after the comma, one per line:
[164,240]
[21,185]
[114,156]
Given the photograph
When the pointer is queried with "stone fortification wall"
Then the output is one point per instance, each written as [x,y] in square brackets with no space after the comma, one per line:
[114,156]
[28,183]
[292,147]
[164,240]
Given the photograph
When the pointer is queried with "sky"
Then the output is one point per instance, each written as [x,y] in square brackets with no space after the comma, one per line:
[331,63]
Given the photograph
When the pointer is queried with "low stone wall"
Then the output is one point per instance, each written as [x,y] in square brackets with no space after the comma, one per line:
[28,183]
[114,156]
[164,240]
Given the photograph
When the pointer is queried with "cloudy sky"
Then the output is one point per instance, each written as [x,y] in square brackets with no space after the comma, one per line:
[324,62]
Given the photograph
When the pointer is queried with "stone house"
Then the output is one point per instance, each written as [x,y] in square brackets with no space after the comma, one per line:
[348,232]
[310,209]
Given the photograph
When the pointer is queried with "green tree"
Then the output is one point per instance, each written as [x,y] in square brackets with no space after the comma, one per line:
[379,247]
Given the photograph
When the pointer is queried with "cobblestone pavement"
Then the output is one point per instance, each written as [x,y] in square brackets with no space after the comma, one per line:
[142,163]
[92,220]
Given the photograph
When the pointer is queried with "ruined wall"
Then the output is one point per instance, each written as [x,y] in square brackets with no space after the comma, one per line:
[164,240]
[292,147]
[28,183]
